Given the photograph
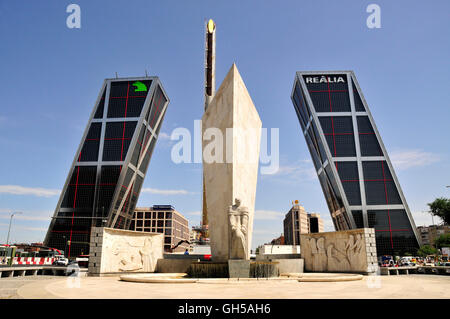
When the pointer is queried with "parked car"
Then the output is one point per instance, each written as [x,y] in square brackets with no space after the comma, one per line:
[409,264]
[61,261]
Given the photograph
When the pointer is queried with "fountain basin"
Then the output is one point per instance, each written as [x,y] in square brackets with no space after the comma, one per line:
[175,278]
[206,269]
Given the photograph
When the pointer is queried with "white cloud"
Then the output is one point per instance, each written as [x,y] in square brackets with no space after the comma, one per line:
[35,191]
[40,229]
[269,232]
[26,215]
[327,222]
[165,141]
[425,219]
[166,191]
[300,170]
[163,136]
[265,235]
[268,215]
[196,213]
[405,159]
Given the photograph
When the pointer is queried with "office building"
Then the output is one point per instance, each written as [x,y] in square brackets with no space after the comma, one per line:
[278,240]
[297,221]
[429,234]
[110,164]
[354,170]
[294,224]
[315,223]
[163,219]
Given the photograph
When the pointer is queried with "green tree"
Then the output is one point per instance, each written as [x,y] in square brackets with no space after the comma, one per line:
[442,241]
[441,208]
[426,250]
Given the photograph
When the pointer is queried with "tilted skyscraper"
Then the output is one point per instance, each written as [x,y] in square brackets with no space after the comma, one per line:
[104,182]
[352,164]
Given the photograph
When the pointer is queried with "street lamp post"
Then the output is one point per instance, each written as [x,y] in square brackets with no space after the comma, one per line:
[9,229]
[65,244]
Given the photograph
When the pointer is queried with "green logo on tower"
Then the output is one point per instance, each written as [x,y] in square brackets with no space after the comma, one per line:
[140,87]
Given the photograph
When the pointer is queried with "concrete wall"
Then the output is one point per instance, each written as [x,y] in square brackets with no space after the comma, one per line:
[173,265]
[116,250]
[277,256]
[343,251]
[287,263]
[290,265]
[279,249]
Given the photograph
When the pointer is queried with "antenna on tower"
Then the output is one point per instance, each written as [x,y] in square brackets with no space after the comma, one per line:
[117,76]
[146,75]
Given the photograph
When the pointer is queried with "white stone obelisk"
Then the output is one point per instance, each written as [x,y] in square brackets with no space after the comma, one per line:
[231,141]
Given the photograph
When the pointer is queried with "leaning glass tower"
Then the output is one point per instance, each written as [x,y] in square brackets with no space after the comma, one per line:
[354,170]
[107,173]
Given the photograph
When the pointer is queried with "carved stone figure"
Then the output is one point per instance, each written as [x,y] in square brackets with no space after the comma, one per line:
[354,249]
[147,255]
[126,261]
[238,225]
[319,255]
[337,260]
[333,262]
[308,251]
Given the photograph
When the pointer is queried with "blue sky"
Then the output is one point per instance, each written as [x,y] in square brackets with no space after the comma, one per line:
[50,76]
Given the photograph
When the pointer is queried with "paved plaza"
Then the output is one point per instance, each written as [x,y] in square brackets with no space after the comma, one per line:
[9,286]
[411,286]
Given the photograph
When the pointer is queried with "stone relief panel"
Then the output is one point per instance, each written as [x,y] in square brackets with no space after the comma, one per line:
[343,251]
[129,251]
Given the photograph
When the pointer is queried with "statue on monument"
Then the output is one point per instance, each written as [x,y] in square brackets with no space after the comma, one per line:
[238,219]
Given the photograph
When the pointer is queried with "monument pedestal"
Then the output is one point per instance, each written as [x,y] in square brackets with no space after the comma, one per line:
[239,268]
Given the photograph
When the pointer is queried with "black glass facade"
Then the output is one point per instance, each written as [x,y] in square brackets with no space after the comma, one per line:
[105,180]
[353,168]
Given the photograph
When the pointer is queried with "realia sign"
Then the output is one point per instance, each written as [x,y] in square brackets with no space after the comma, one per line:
[325,79]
